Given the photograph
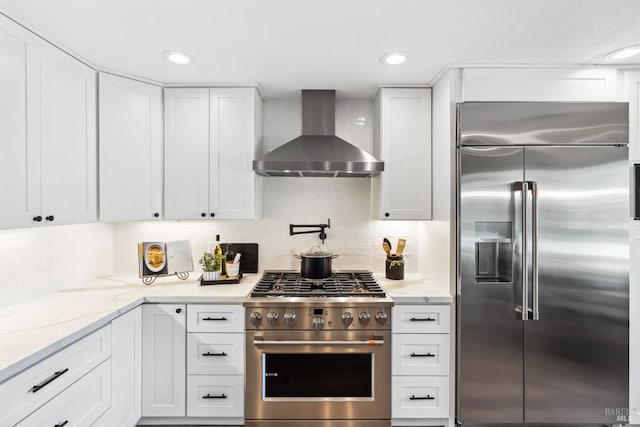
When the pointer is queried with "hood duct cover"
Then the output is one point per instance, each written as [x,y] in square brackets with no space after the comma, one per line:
[318,151]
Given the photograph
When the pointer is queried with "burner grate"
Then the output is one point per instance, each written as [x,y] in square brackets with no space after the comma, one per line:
[340,284]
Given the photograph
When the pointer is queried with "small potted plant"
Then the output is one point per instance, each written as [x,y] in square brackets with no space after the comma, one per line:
[210,263]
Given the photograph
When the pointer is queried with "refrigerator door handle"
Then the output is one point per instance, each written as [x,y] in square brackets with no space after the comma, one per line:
[523,187]
[533,186]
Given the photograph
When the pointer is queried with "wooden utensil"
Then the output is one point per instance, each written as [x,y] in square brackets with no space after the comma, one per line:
[400,248]
[386,248]
[388,242]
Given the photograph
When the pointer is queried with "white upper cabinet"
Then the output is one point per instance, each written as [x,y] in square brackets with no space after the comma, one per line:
[539,84]
[19,125]
[210,140]
[48,118]
[67,138]
[186,151]
[403,142]
[236,120]
[633,97]
[130,150]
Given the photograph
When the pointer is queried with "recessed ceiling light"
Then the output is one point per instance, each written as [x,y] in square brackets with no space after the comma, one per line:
[624,53]
[394,58]
[177,57]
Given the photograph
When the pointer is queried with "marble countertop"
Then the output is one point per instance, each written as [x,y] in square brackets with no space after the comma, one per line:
[414,289]
[35,329]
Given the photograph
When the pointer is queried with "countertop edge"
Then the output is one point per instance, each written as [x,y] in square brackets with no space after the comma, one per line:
[49,350]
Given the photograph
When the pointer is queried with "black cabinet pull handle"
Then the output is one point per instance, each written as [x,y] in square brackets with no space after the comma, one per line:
[212,214]
[44,383]
[214,354]
[62,424]
[417,319]
[215,318]
[156,214]
[422,398]
[422,355]
[208,396]
[386,214]
[178,310]
[50,218]
[37,218]
[203,214]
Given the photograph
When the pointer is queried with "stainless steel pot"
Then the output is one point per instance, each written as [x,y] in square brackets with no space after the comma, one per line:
[315,264]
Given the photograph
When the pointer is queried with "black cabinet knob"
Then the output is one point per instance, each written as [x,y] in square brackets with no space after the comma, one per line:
[212,214]
[156,214]
[50,218]
[203,214]
[386,214]
[178,310]
[37,218]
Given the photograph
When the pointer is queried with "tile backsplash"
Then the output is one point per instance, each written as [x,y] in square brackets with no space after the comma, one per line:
[36,261]
[353,235]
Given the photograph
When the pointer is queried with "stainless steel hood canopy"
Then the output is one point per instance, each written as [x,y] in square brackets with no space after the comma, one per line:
[318,151]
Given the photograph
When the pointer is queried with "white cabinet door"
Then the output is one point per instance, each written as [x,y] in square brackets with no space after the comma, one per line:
[19,126]
[130,150]
[633,96]
[163,360]
[79,405]
[186,154]
[126,365]
[233,136]
[403,190]
[210,139]
[68,138]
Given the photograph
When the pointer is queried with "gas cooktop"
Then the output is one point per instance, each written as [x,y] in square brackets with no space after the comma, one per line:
[340,284]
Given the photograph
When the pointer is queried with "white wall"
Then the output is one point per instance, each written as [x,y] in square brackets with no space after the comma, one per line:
[76,254]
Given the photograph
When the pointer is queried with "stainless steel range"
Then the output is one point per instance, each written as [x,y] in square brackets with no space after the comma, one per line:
[318,351]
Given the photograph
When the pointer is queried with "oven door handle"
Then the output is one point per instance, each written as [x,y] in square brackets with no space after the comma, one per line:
[371,342]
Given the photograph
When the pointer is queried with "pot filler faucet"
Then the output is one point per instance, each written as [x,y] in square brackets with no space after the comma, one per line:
[316,228]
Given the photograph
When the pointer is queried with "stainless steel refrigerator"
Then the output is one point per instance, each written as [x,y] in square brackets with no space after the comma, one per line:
[543,216]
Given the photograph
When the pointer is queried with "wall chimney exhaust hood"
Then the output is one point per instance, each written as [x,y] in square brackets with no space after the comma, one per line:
[318,152]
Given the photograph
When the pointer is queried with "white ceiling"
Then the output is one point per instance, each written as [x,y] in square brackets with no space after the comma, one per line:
[286,45]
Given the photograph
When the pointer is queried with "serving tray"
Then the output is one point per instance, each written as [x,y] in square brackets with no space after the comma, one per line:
[221,281]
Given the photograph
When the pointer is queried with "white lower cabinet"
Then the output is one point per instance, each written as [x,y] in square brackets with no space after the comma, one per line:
[420,397]
[215,362]
[192,364]
[79,405]
[209,353]
[163,360]
[23,394]
[421,363]
[126,365]
[215,396]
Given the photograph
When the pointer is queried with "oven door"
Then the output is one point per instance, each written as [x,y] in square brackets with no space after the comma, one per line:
[306,375]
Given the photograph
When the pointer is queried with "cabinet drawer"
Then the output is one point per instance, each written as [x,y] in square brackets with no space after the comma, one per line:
[215,396]
[420,319]
[79,405]
[209,354]
[420,397]
[23,393]
[215,318]
[420,354]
